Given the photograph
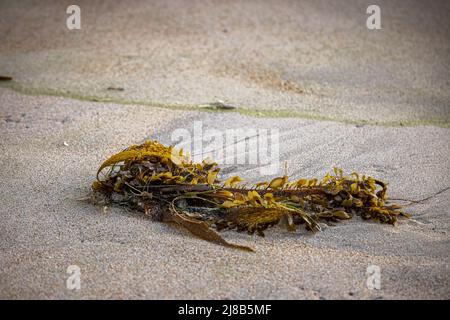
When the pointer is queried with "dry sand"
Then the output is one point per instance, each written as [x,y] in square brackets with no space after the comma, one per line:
[44,229]
[311,59]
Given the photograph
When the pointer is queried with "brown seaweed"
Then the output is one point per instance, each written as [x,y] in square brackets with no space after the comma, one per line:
[167,186]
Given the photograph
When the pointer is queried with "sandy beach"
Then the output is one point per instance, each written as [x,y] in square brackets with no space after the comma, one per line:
[375,102]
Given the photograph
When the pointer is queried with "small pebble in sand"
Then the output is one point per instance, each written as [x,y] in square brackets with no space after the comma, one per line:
[115,88]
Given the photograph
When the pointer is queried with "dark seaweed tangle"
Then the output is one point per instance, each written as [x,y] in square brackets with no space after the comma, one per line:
[167,186]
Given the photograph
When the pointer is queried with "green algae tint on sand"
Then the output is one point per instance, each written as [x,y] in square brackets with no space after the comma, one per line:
[167,186]
[107,97]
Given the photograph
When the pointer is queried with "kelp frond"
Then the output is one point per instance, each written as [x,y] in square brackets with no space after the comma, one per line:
[168,186]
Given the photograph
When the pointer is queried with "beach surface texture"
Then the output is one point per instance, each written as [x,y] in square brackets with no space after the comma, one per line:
[372,101]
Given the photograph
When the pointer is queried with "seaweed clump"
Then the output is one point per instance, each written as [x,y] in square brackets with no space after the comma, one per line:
[167,186]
